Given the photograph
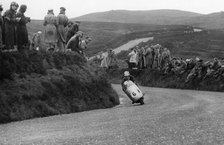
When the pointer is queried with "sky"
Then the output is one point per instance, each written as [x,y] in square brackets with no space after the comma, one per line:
[37,9]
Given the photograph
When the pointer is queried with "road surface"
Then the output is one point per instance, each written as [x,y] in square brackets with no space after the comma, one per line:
[128,45]
[131,44]
[169,117]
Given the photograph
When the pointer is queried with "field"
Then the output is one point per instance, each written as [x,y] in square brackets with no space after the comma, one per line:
[206,44]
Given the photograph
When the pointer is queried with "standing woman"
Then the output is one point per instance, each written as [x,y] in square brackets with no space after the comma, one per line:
[22,33]
[62,23]
[10,22]
[50,33]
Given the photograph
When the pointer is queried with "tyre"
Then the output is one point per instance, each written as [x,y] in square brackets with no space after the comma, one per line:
[141,101]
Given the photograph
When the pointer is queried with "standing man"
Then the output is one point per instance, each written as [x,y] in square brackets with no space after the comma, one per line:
[62,23]
[22,33]
[133,61]
[1,28]
[50,33]
[10,22]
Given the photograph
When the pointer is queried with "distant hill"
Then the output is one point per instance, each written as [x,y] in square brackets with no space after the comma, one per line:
[158,17]
[210,21]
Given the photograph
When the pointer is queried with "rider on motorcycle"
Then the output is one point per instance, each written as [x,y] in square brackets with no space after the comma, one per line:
[127,76]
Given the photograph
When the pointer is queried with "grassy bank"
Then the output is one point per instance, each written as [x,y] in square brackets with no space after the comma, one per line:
[38,84]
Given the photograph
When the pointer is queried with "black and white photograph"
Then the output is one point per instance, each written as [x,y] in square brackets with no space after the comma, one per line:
[112,72]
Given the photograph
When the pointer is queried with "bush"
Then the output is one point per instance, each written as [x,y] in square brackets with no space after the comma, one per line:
[67,85]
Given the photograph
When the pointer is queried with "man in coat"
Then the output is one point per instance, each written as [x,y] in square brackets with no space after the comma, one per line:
[22,33]
[50,33]
[62,23]
[1,28]
[10,22]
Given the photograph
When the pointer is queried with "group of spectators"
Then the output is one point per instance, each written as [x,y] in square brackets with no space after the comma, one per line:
[159,57]
[196,69]
[60,34]
[148,57]
[107,59]
[13,31]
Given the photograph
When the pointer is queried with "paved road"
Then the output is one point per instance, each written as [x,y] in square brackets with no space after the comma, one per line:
[131,44]
[169,117]
[128,45]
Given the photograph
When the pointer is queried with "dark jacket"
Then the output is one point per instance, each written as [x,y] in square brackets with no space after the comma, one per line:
[22,33]
[1,30]
[10,28]
[73,44]
[71,32]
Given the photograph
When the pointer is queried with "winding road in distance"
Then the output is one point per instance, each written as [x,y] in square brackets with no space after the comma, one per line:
[169,117]
[128,45]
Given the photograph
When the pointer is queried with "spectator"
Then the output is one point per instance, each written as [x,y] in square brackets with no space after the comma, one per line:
[10,22]
[108,58]
[67,28]
[50,33]
[62,23]
[74,42]
[74,28]
[142,60]
[111,58]
[36,41]
[1,28]
[196,72]
[133,61]
[149,56]
[22,33]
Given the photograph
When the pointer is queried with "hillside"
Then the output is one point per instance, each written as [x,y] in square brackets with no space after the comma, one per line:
[158,17]
[210,21]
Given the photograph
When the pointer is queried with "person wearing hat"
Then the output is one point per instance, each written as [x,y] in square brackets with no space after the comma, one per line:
[1,28]
[10,22]
[22,33]
[62,23]
[127,76]
[50,32]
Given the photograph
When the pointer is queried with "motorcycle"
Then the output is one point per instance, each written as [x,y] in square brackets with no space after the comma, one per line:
[134,92]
